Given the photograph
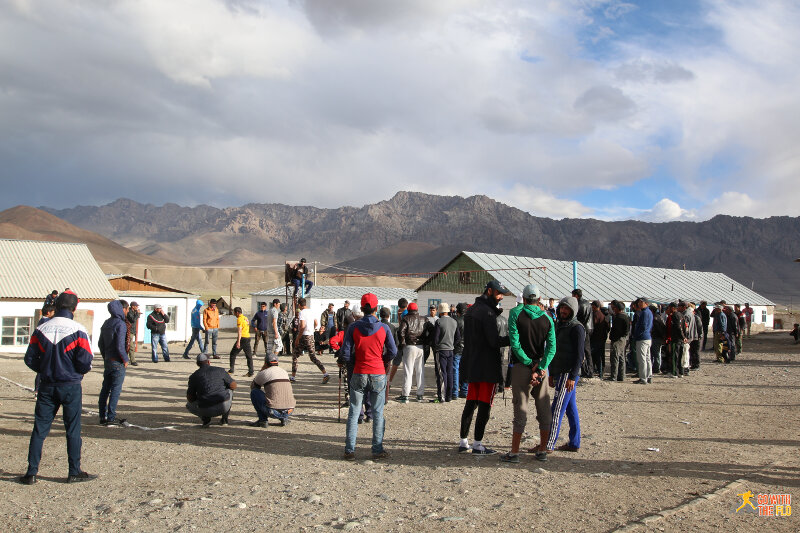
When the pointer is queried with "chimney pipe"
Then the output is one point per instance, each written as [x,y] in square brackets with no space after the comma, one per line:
[574,274]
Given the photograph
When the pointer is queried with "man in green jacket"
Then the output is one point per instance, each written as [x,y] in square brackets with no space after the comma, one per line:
[533,345]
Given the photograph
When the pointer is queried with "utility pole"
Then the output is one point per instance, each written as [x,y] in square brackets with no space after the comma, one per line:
[315,272]
[230,302]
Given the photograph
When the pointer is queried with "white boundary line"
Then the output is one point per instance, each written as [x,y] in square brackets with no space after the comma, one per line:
[94,413]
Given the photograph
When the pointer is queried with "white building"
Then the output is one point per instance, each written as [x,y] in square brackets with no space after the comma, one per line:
[466,275]
[147,292]
[320,296]
[30,270]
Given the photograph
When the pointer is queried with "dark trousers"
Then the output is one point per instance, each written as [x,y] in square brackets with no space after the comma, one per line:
[655,354]
[49,399]
[731,346]
[427,350]
[705,336]
[599,357]
[244,344]
[618,359]
[447,371]
[260,335]
[694,354]
[586,367]
[113,376]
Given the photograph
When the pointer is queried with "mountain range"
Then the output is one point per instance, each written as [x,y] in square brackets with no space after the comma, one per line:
[417,232]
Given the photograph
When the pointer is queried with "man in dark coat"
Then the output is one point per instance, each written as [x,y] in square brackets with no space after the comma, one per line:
[481,363]
[584,316]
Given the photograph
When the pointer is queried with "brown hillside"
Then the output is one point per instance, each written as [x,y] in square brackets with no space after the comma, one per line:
[24,222]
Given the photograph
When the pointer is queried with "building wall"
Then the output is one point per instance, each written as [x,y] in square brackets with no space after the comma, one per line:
[182,318]
[462,276]
[424,297]
[90,314]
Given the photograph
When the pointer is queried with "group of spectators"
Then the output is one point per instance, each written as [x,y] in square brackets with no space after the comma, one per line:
[548,346]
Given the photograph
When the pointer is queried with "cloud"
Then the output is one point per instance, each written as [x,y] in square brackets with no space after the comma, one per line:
[330,103]
[543,204]
[666,210]
[605,102]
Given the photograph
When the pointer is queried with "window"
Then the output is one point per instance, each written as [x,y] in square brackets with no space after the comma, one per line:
[172,310]
[465,278]
[394,317]
[764,316]
[16,330]
[433,302]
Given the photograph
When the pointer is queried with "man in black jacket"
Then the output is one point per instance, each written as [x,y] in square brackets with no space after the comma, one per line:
[599,337]
[620,330]
[584,316]
[481,363]
[157,324]
[409,337]
[705,318]
[564,372]
[132,322]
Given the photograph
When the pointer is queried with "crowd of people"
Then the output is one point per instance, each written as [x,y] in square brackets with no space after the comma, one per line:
[477,352]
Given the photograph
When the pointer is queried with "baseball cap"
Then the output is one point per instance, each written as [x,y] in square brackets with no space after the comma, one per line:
[444,307]
[369,300]
[272,358]
[497,286]
[134,304]
[530,291]
[202,357]
[157,306]
[412,306]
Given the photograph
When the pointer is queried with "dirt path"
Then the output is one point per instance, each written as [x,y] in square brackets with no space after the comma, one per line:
[721,424]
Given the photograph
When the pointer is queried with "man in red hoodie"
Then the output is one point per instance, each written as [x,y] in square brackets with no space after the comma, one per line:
[368,346]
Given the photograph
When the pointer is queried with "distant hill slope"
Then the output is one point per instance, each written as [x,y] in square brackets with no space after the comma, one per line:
[752,251]
[29,223]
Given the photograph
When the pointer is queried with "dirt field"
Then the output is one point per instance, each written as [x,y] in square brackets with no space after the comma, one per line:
[721,424]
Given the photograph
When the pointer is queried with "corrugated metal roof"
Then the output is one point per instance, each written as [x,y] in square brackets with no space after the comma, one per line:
[606,282]
[339,292]
[166,288]
[32,269]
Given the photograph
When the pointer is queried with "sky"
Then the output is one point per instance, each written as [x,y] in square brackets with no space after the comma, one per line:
[607,109]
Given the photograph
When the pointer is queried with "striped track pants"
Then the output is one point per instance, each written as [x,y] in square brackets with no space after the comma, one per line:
[564,402]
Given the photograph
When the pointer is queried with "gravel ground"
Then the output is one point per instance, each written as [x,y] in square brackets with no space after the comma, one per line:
[721,424]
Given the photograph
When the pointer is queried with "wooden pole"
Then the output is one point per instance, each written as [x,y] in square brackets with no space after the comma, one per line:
[230,302]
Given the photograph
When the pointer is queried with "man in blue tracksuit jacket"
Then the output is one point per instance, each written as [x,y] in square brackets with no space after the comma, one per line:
[197,328]
[115,361]
[60,352]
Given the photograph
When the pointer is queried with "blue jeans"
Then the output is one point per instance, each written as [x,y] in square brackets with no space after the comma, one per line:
[213,334]
[49,399]
[297,283]
[259,400]
[375,385]
[159,339]
[459,386]
[195,337]
[113,376]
